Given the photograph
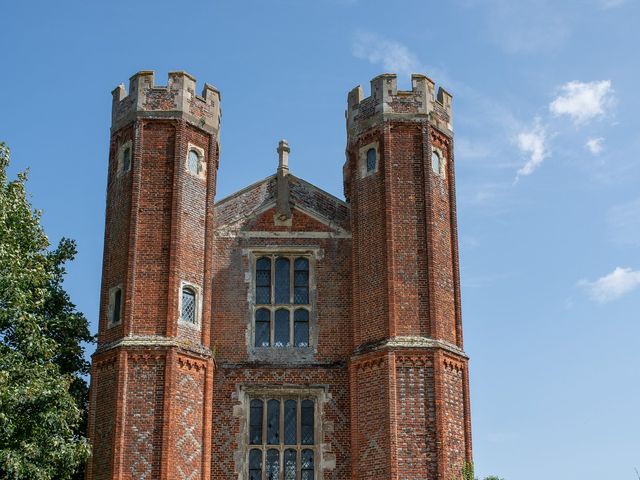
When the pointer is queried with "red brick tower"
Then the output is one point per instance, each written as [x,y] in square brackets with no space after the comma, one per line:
[408,375]
[151,380]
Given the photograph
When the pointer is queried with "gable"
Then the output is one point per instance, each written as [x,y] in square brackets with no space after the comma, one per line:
[253,209]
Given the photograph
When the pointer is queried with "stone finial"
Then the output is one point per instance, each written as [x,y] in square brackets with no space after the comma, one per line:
[283,155]
[283,208]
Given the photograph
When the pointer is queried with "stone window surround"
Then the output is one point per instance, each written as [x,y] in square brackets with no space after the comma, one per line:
[362,159]
[198,315]
[289,354]
[120,158]
[324,459]
[112,298]
[200,151]
[443,162]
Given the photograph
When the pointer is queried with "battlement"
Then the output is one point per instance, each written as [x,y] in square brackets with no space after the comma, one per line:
[386,101]
[177,99]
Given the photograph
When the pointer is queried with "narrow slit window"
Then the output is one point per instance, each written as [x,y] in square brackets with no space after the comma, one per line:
[117,306]
[301,281]
[263,328]
[188,305]
[273,422]
[126,159]
[301,327]
[371,160]
[281,334]
[255,424]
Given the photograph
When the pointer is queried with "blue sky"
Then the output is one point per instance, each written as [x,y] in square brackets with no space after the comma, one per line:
[547,142]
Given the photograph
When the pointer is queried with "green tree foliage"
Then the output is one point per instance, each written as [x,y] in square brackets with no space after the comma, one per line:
[42,391]
[468,473]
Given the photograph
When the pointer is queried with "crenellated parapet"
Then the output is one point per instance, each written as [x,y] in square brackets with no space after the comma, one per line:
[387,102]
[178,99]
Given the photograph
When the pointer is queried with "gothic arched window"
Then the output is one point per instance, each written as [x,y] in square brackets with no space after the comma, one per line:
[436,163]
[371,159]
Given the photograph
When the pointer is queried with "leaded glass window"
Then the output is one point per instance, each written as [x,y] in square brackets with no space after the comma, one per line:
[188,305]
[371,160]
[435,163]
[301,281]
[255,422]
[282,281]
[263,328]
[281,438]
[306,422]
[301,327]
[255,464]
[273,464]
[263,280]
[116,306]
[281,334]
[306,470]
[193,163]
[282,300]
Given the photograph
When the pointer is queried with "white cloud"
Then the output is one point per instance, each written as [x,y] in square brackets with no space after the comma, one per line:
[612,286]
[583,101]
[607,4]
[623,222]
[533,143]
[595,145]
[393,56]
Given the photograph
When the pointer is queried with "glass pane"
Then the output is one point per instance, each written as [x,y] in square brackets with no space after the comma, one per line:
[255,464]
[301,296]
[194,162]
[306,470]
[273,422]
[301,264]
[281,334]
[282,280]
[126,159]
[289,465]
[371,159]
[263,327]
[435,162]
[306,420]
[273,465]
[301,328]
[301,281]
[263,280]
[290,409]
[117,306]
[188,305]
[255,423]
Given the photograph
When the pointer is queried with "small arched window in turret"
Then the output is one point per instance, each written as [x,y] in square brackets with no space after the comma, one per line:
[371,160]
[193,162]
[436,163]
[189,306]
